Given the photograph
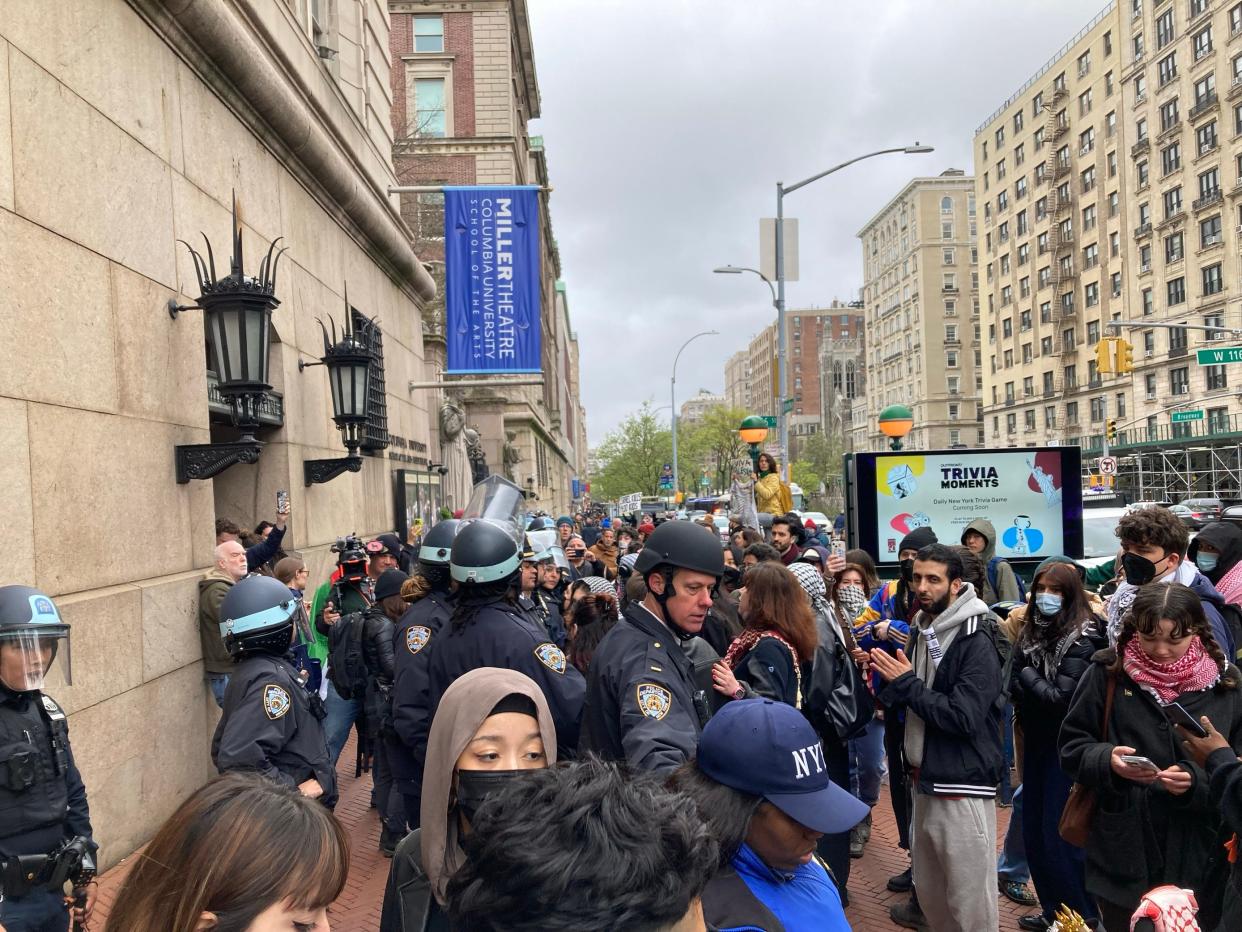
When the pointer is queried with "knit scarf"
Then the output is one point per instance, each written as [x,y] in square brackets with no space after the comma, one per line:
[745,642]
[1193,671]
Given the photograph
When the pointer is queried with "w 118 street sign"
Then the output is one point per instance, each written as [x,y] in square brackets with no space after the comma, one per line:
[1214,357]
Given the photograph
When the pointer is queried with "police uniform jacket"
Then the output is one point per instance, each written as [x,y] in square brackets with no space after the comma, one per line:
[272,726]
[500,635]
[543,612]
[42,799]
[642,702]
[412,640]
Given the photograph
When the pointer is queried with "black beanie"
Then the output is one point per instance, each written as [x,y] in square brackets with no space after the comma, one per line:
[917,539]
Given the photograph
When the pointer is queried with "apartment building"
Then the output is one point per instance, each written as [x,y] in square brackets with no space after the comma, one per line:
[1108,186]
[737,380]
[695,408]
[1181,80]
[921,312]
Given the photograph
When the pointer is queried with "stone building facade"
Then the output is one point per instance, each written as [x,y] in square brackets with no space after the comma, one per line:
[464,89]
[920,289]
[125,127]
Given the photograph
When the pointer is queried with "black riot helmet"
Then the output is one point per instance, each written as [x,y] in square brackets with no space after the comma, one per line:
[434,556]
[678,545]
[257,617]
[30,621]
[484,552]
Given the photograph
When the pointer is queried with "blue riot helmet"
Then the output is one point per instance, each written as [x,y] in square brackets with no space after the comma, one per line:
[485,552]
[257,616]
[34,641]
[435,554]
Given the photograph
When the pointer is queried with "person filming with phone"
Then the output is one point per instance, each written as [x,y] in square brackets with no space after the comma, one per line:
[1154,820]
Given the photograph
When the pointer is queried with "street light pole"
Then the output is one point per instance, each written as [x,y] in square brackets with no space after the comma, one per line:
[781,362]
[672,396]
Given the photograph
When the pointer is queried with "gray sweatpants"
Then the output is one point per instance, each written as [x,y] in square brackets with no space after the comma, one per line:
[953,844]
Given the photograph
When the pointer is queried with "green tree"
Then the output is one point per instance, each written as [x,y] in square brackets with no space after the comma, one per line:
[632,456]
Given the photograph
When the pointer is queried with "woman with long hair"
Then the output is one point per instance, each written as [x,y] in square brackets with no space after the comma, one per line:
[590,618]
[1053,649]
[1154,821]
[777,642]
[242,854]
[870,578]
[770,495]
[490,726]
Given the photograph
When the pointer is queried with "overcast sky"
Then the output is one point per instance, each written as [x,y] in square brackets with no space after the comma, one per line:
[668,123]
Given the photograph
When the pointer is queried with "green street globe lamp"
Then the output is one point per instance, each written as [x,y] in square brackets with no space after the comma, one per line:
[895,422]
[753,430]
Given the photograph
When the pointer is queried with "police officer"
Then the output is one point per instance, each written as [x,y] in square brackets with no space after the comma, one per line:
[489,630]
[417,629]
[45,825]
[534,600]
[643,703]
[271,725]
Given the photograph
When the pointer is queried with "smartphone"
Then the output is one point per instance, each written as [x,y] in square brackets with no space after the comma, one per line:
[282,501]
[1177,715]
[838,548]
[1144,763]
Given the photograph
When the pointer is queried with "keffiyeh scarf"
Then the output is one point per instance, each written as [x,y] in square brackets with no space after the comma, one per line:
[1195,670]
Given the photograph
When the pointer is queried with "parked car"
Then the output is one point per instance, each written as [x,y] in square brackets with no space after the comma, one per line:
[1195,520]
[1207,508]
[1232,513]
[1099,534]
[722,526]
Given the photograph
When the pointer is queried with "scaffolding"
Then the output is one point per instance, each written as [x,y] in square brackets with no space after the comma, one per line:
[1173,474]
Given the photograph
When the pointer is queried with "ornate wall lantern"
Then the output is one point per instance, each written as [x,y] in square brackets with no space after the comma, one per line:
[349,369]
[238,312]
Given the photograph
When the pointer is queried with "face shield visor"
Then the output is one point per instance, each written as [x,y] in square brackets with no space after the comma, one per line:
[541,541]
[36,659]
[499,501]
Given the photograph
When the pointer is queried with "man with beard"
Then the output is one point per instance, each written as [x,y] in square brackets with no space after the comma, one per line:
[643,701]
[952,742]
[604,551]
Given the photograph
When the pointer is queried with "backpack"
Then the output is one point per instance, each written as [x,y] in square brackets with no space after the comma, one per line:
[993,571]
[347,668]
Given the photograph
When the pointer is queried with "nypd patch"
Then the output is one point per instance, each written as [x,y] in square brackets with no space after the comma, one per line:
[276,701]
[551,657]
[416,638]
[654,701]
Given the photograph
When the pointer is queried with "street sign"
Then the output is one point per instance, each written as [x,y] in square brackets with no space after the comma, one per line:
[788,405]
[1214,357]
[770,420]
[1181,417]
[1108,465]
[703,482]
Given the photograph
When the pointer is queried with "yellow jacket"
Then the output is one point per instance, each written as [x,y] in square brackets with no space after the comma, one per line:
[772,495]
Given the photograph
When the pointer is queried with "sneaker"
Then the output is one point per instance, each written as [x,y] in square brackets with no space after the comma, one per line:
[1020,893]
[388,842]
[908,916]
[1035,923]
[856,842]
[864,828]
[901,883]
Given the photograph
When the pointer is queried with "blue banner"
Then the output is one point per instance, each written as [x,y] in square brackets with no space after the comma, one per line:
[492,287]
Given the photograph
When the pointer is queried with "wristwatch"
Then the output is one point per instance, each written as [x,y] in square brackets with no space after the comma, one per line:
[739,692]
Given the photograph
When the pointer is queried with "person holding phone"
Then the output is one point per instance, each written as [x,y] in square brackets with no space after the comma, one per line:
[1155,822]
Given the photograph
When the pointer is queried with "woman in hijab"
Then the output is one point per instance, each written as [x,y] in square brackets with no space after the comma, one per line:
[1217,552]
[490,725]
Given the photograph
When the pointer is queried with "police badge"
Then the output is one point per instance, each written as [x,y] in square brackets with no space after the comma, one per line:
[654,701]
[551,656]
[275,701]
[416,638]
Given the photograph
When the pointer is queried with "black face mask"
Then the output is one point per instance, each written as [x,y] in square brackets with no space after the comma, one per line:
[732,575]
[473,786]
[907,571]
[1139,570]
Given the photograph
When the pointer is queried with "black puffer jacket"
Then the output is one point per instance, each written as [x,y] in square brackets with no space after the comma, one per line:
[377,654]
[1040,702]
[1142,836]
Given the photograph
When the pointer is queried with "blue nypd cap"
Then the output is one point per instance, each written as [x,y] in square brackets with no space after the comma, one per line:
[769,749]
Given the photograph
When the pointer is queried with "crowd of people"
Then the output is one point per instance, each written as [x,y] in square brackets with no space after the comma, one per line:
[664,730]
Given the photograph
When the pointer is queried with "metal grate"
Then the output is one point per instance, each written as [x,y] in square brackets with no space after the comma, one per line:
[374,434]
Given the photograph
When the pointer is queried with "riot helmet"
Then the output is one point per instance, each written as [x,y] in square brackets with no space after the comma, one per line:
[32,654]
[484,552]
[436,552]
[678,545]
[498,500]
[257,616]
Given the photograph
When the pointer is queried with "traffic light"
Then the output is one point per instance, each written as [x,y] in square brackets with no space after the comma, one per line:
[1125,357]
[1104,355]
[1110,429]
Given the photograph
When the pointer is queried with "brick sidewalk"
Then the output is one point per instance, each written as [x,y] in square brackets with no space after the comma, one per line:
[358,909]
